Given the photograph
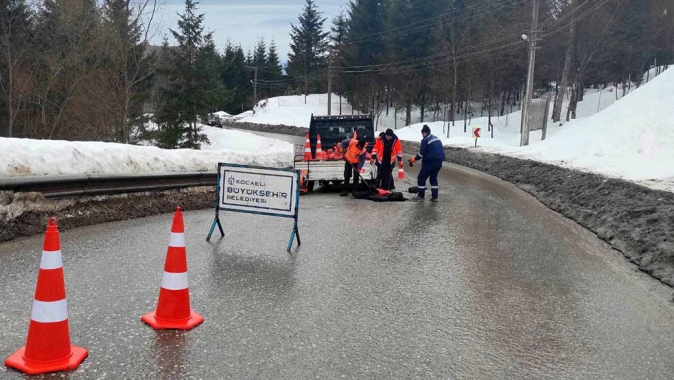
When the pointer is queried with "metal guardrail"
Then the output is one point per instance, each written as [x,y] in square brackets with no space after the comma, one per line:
[91,184]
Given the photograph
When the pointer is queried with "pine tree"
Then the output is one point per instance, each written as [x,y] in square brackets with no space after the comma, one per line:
[273,70]
[338,47]
[236,78]
[212,94]
[184,98]
[273,65]
[259,63]
[309,45]
[249,58]
[338,31]
[367,18]
[260,54]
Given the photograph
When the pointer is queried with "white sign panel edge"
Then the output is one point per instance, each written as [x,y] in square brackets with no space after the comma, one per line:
[283,182]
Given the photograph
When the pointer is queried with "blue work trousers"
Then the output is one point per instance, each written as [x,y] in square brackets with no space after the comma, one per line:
[429,169]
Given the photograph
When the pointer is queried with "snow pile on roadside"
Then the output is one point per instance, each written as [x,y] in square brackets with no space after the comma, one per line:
[632,139]
[293,111]
[26,157]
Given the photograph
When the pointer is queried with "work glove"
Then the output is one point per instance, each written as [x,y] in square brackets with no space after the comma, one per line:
[412,161]
[400,164]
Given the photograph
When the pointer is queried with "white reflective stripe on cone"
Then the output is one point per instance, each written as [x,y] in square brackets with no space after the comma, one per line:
[177,239]
[51,260]
[174,281]
[49,312]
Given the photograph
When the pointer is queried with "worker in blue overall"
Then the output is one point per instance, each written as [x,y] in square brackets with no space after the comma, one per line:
[432,154]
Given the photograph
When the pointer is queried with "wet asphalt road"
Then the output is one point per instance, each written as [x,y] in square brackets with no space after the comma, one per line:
[487,284]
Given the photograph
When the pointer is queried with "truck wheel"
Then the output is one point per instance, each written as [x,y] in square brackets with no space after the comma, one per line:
[310,185]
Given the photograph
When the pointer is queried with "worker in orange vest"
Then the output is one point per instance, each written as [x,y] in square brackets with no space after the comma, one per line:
[386,150]
[355,154]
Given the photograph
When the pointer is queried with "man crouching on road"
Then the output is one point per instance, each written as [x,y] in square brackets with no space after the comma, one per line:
[432,154]
[355,153]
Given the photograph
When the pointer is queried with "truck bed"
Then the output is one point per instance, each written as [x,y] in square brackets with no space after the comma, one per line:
[331,170]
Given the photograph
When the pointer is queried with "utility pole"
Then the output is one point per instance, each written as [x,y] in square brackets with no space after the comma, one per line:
[255,91]
[533,39]
[330,84]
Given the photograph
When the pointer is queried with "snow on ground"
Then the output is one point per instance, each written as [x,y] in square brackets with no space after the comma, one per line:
[631,139]
[26,157]
[221,114]
[293,111]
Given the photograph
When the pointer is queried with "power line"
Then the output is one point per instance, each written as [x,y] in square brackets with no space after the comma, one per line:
[428,24]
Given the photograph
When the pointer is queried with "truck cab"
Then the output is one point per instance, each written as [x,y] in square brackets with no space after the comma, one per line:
[335,129]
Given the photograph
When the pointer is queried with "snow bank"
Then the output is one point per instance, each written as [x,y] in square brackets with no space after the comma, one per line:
[26,157]
[631,139]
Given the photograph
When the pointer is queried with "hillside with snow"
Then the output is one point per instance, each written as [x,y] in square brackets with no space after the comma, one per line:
[294,110]
[630,137]
[27,157]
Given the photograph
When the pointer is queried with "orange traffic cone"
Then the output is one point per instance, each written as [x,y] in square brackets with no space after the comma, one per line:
[320,155]
[303,183]
[173,308]
[307,149]
[48,346]
[401,173]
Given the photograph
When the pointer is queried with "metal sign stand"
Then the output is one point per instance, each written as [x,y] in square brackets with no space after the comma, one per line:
[295,232]
[216,221]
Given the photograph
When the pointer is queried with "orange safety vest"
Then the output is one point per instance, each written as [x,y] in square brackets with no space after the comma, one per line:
[353,153]
[396,150]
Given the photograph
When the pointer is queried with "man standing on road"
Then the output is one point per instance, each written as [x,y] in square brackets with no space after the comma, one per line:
[377,182]
[385,152]
[355,153]
[432,154]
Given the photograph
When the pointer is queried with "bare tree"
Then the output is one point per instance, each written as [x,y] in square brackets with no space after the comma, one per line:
[16,41]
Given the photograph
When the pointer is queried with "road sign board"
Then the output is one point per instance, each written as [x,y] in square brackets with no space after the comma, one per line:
[256,190]
[259,190]
[476,132]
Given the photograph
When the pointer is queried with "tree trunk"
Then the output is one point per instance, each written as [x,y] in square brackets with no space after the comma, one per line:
[503,103]
[489,116]
[456,79]
[573,103]
[408,116]
[465,116]
[10,105]
[423,107]
[559,101]
[482,107]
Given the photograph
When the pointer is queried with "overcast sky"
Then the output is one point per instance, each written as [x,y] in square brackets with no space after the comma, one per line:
[245,21]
